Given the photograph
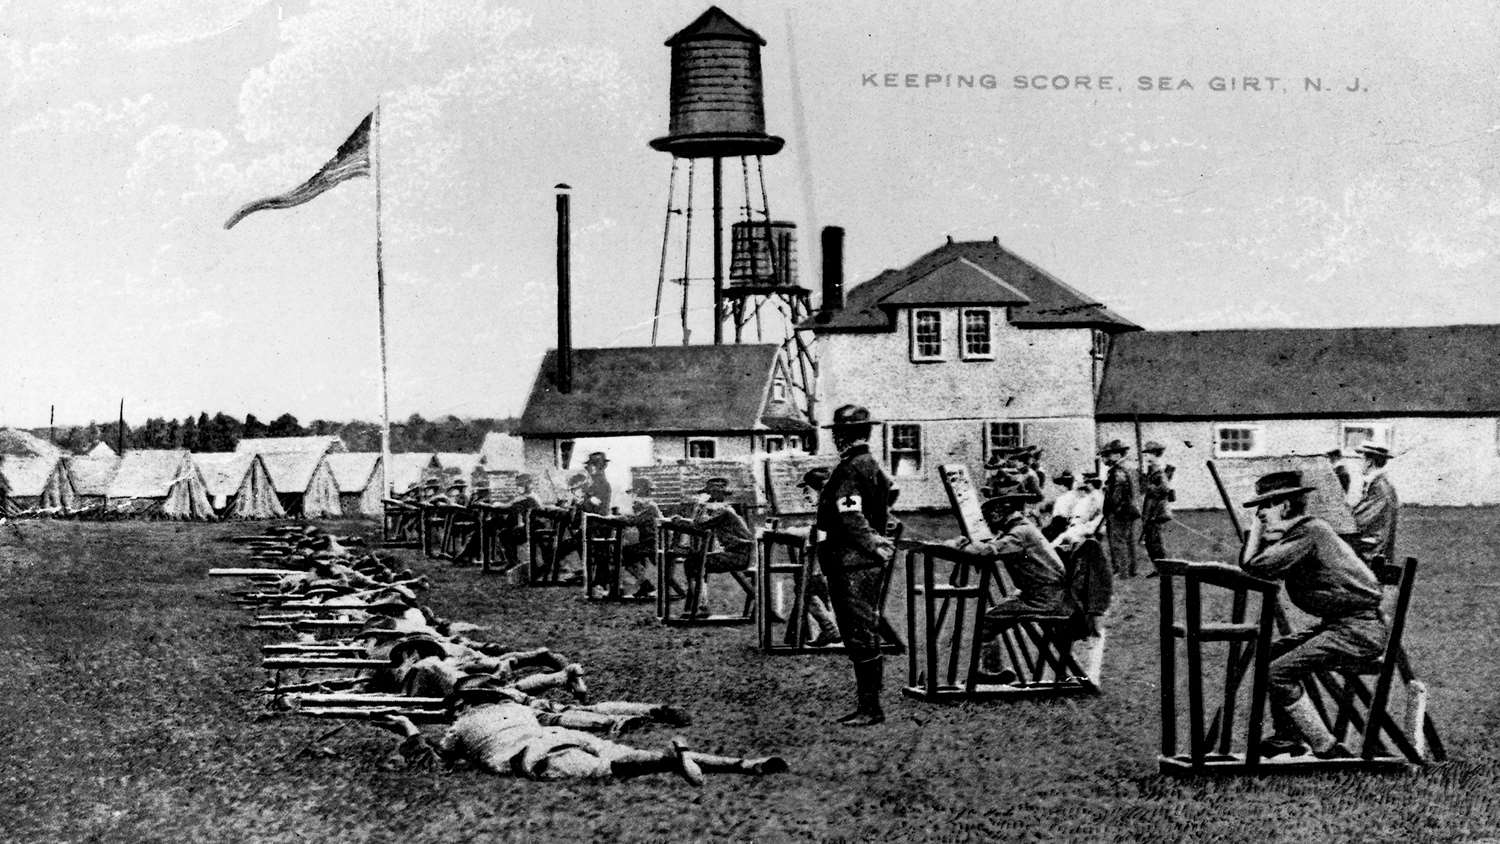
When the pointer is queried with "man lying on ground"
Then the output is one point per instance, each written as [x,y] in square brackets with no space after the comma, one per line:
[503,733]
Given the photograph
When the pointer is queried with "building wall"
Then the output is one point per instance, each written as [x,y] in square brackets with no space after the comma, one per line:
[539,457]
[1042,378]
[1440,461]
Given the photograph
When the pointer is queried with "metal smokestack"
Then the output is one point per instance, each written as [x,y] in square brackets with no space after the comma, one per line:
[564,297]
[833,270]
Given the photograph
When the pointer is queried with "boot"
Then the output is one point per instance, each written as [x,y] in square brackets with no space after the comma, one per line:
[869,677]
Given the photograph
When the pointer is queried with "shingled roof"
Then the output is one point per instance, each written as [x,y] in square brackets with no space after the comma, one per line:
[652,390]
[1045,302]
[1303,372]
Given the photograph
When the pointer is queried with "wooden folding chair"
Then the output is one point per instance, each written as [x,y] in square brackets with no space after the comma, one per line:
[1212,746]
[551,530]
[687,546]
[790,559]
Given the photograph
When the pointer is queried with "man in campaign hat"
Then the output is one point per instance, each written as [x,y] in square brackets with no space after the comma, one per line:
[733,542]
[1324,578]
[853,509]
[1120,510]
[1156,499]
[597,492]
[1375,514]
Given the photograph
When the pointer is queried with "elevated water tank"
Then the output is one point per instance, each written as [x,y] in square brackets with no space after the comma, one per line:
[764,254]
[718,104]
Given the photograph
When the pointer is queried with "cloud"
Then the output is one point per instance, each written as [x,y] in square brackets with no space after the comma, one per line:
[151,24]
[116,119]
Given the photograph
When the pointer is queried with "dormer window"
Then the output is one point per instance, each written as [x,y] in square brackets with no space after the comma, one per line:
[926,335]
[778,388]
[978,342]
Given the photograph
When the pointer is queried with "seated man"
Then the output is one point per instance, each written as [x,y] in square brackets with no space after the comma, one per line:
[1035,569]
[1062,506]
[501,733]
[732,545]
[644,516]
[819,602]
[514,536]
[1324,578]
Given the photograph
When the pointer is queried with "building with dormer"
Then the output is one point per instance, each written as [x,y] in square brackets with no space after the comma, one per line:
[968,349]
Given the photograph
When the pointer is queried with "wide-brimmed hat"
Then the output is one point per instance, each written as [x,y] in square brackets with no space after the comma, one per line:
[1064,478]
[1374,450]
[457,482]
[432,483]
[1275,486]
[815,478]
[1153,447]
[419,645]
[1114,447]
[1007,499]
[716,485]
[597,458]
[851,415]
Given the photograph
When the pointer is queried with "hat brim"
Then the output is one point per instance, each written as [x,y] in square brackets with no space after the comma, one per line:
[851,424]
[1013,498]
[1277,495]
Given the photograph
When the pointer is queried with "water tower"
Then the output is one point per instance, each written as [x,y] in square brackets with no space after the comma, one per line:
[718,112]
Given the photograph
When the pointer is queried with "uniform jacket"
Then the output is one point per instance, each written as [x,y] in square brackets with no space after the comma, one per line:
[1119,495]
[729,530]
[1156,495]
[853,509]
[596,495]
[1324,577]
[1035,569]
[1375,514]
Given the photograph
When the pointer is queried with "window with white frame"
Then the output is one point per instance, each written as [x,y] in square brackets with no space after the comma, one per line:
[1355,434]
[702,448]
[564,453]
[778,388]
[926,335]
[793,441]
[1002,435]
[1238,440]
[774,444]
[978,342]
[904,452]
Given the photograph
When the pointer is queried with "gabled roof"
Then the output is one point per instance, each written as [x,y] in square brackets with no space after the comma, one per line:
[150,473]
[92,474]
[291,471]
[1303,372]
[353,470]
[223,471]
[956,281]
[715,24]
[27,476]
[652,390]
[19,443]
[318,444]
[1050,303]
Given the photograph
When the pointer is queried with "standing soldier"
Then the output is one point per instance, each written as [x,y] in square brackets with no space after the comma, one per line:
[1375,514]
[1120,512]
[1156,500]
[852,512]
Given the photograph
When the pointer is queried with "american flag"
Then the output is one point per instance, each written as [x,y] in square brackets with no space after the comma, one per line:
[351,161]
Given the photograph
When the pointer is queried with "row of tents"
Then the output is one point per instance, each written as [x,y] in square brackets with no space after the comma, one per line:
[307,477]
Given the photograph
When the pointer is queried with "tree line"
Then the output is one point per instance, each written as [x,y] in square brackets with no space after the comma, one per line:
[222,432]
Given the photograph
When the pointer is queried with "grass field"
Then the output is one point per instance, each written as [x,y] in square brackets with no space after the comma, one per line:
[126,718]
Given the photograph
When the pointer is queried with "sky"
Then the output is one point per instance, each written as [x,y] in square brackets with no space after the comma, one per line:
[130,130]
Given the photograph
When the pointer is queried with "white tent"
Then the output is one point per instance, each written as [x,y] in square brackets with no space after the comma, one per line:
[37,483]
[239,485]
[304,483]
[160,482]
[102,449]
[15,442]
[459,464]
[92,476]
[361,481]
[412,468]
[319,444]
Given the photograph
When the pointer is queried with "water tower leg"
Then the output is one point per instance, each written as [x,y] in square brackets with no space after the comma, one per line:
[718,250]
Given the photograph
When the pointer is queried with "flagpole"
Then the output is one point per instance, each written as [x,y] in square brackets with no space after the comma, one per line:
[385,387]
